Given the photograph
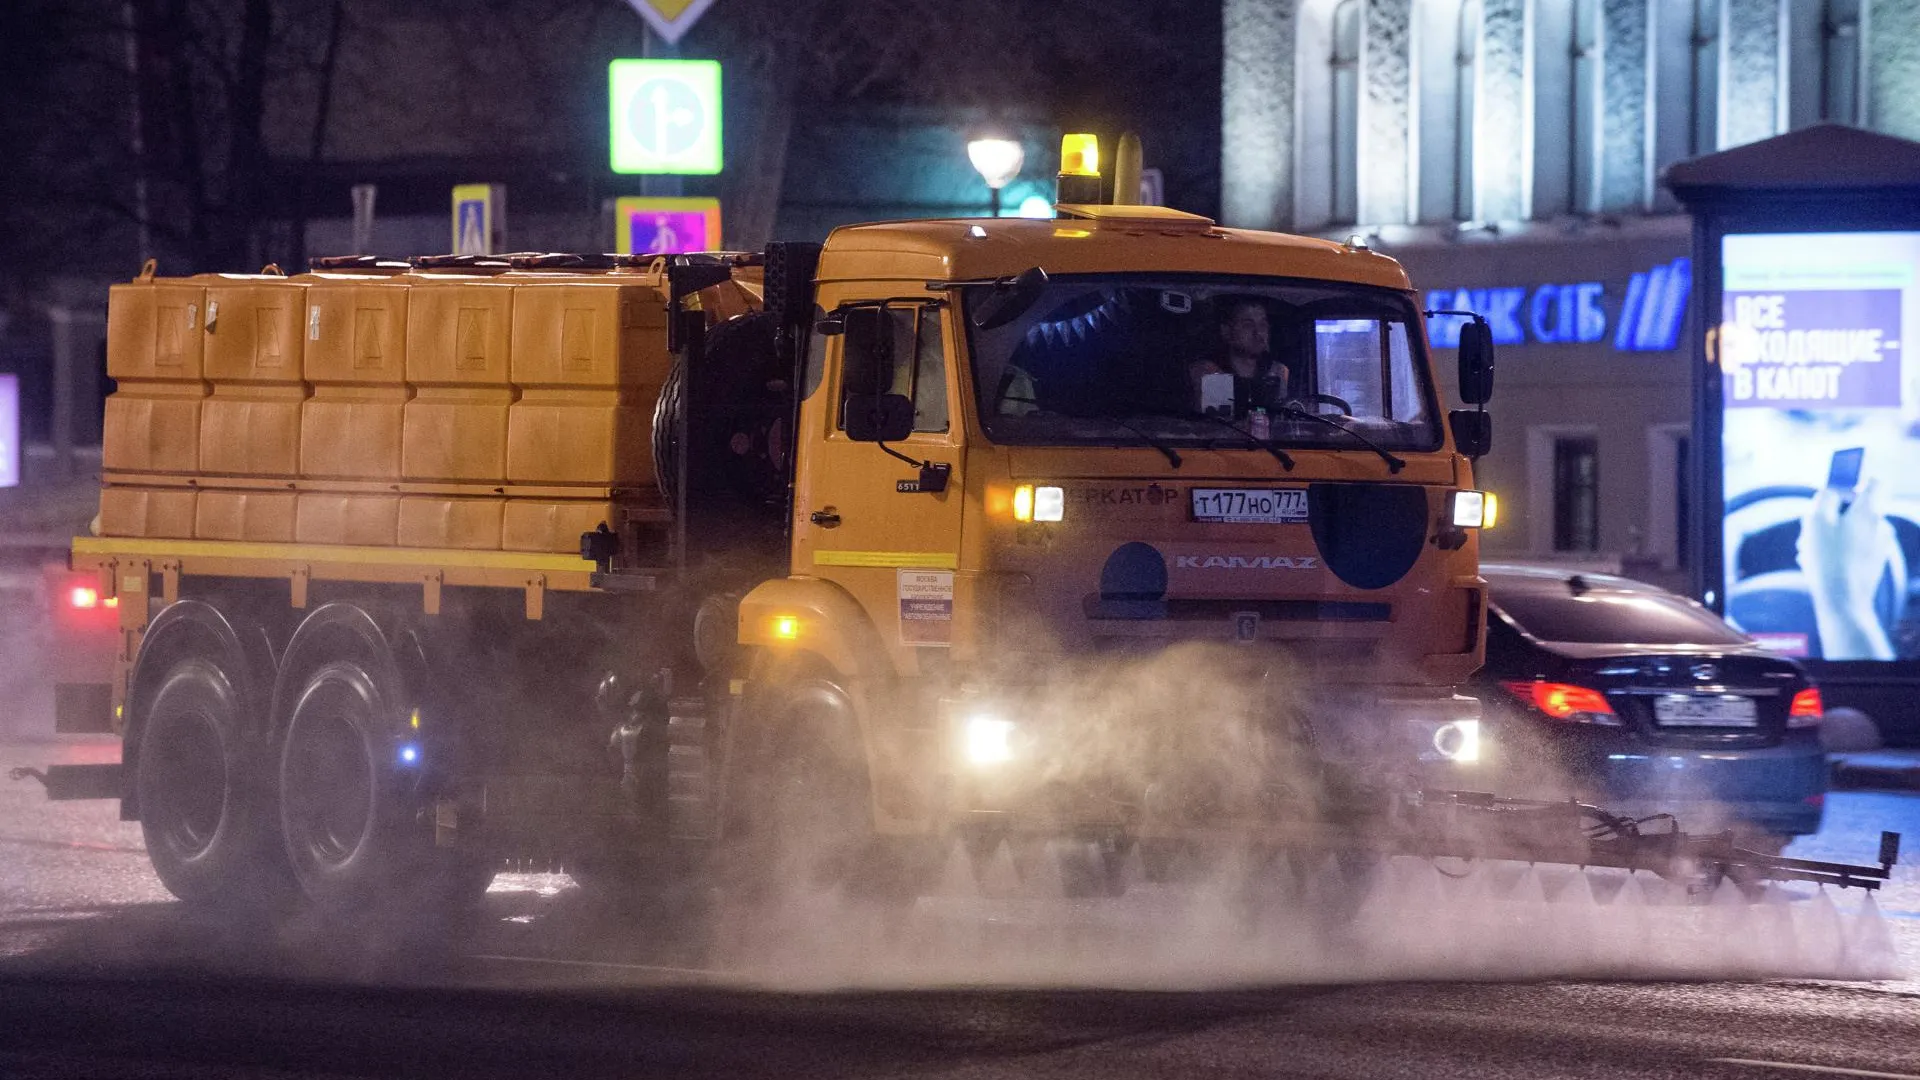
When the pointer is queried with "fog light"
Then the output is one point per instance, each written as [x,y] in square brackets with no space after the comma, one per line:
[989,740]
[1458,740]
[785,627]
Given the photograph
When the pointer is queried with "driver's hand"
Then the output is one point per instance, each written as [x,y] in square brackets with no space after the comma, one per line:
[1844,556]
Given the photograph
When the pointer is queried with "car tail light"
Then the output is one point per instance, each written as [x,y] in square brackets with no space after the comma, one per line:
[1806,710]
[1565,701]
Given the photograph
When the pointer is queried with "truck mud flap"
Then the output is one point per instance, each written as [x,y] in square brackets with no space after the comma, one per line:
[65,783]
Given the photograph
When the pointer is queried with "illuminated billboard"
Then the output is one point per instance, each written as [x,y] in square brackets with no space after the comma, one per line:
[1820,441]
[9,431]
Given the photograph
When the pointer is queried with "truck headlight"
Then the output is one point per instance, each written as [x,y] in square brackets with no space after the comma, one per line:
[1043,503]
[1469,509]
[987,739]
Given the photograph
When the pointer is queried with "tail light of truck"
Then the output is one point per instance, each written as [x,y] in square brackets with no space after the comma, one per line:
[1806,710]
[1564,702]
[86,598]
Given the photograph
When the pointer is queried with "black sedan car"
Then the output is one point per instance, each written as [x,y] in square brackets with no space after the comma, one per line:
[1622,694]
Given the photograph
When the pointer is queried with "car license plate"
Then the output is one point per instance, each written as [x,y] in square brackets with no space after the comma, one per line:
[1257,506]
[1699,710]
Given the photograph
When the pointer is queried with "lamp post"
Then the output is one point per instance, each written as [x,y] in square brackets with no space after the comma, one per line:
[997,161]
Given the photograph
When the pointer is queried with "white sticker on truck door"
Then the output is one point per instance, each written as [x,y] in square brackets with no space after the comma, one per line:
[926,607]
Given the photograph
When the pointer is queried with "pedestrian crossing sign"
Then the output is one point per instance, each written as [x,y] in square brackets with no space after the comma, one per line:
[478,216]
[665,117]
[663,226]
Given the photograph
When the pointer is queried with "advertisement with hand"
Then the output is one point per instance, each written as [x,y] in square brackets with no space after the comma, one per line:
[1821,442]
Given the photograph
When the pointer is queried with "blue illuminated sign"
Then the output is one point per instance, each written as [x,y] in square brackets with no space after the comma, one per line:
[1649,320]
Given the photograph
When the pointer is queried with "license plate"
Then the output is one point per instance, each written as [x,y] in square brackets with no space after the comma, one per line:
[1257,506]
[1695,710]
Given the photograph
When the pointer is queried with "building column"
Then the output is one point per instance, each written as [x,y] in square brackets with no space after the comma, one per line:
[1503,113]
[1256,113]
[1753,83]
[1890,46]
[1626,183]
[1386,113]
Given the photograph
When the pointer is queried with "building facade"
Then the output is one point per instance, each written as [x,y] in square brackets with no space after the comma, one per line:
[1509,153]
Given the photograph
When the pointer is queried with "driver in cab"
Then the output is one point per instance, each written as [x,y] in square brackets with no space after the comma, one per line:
[1246,374]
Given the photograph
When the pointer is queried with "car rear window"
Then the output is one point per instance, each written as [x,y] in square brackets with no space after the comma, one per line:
[1612,616]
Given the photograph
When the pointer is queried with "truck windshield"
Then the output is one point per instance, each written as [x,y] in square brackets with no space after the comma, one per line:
[1174,355]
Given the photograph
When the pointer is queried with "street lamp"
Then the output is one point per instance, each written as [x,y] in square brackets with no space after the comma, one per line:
[997,161]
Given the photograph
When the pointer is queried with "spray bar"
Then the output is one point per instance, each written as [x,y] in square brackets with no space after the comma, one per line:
[1486,826]
[1476,825]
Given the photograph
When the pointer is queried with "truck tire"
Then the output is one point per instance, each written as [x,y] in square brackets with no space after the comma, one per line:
[349,815]
[206,803]
[809,811]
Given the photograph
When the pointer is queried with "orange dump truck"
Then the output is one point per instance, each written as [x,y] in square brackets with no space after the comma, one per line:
[611,560]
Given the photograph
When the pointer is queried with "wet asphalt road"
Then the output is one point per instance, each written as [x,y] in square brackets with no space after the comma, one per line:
[102,975]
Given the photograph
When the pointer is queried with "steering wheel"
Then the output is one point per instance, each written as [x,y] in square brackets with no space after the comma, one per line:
[1327,399]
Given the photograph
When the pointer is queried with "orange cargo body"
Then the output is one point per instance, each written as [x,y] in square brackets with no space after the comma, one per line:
[143,511]
[589,359]
[455,426]
[555,524]
[359,520]
[459,409]
[251,424]
[450,522]
[356,362]
[256,516]
[154,350]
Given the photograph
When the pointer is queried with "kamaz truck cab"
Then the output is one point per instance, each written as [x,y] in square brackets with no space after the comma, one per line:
[1042,463]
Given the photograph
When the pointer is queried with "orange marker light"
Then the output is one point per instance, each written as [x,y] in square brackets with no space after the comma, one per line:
[1079,155]
[1023,503]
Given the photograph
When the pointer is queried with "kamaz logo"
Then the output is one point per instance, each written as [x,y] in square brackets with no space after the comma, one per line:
[1246,562]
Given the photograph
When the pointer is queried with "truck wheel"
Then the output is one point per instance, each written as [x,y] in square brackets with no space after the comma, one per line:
[812,818]
[349,809]
[205,804]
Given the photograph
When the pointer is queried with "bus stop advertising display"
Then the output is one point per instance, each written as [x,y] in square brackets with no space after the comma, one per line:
[1820,440]
[1806,255]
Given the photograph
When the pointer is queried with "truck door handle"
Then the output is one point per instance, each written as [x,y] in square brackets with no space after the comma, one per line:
[826,519]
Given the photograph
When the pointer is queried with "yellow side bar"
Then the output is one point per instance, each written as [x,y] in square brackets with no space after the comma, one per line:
[932,560]
[330,553]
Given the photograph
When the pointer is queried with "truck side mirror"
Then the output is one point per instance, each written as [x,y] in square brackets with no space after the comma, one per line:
[1472,431]
[1476,363]
[877,417]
